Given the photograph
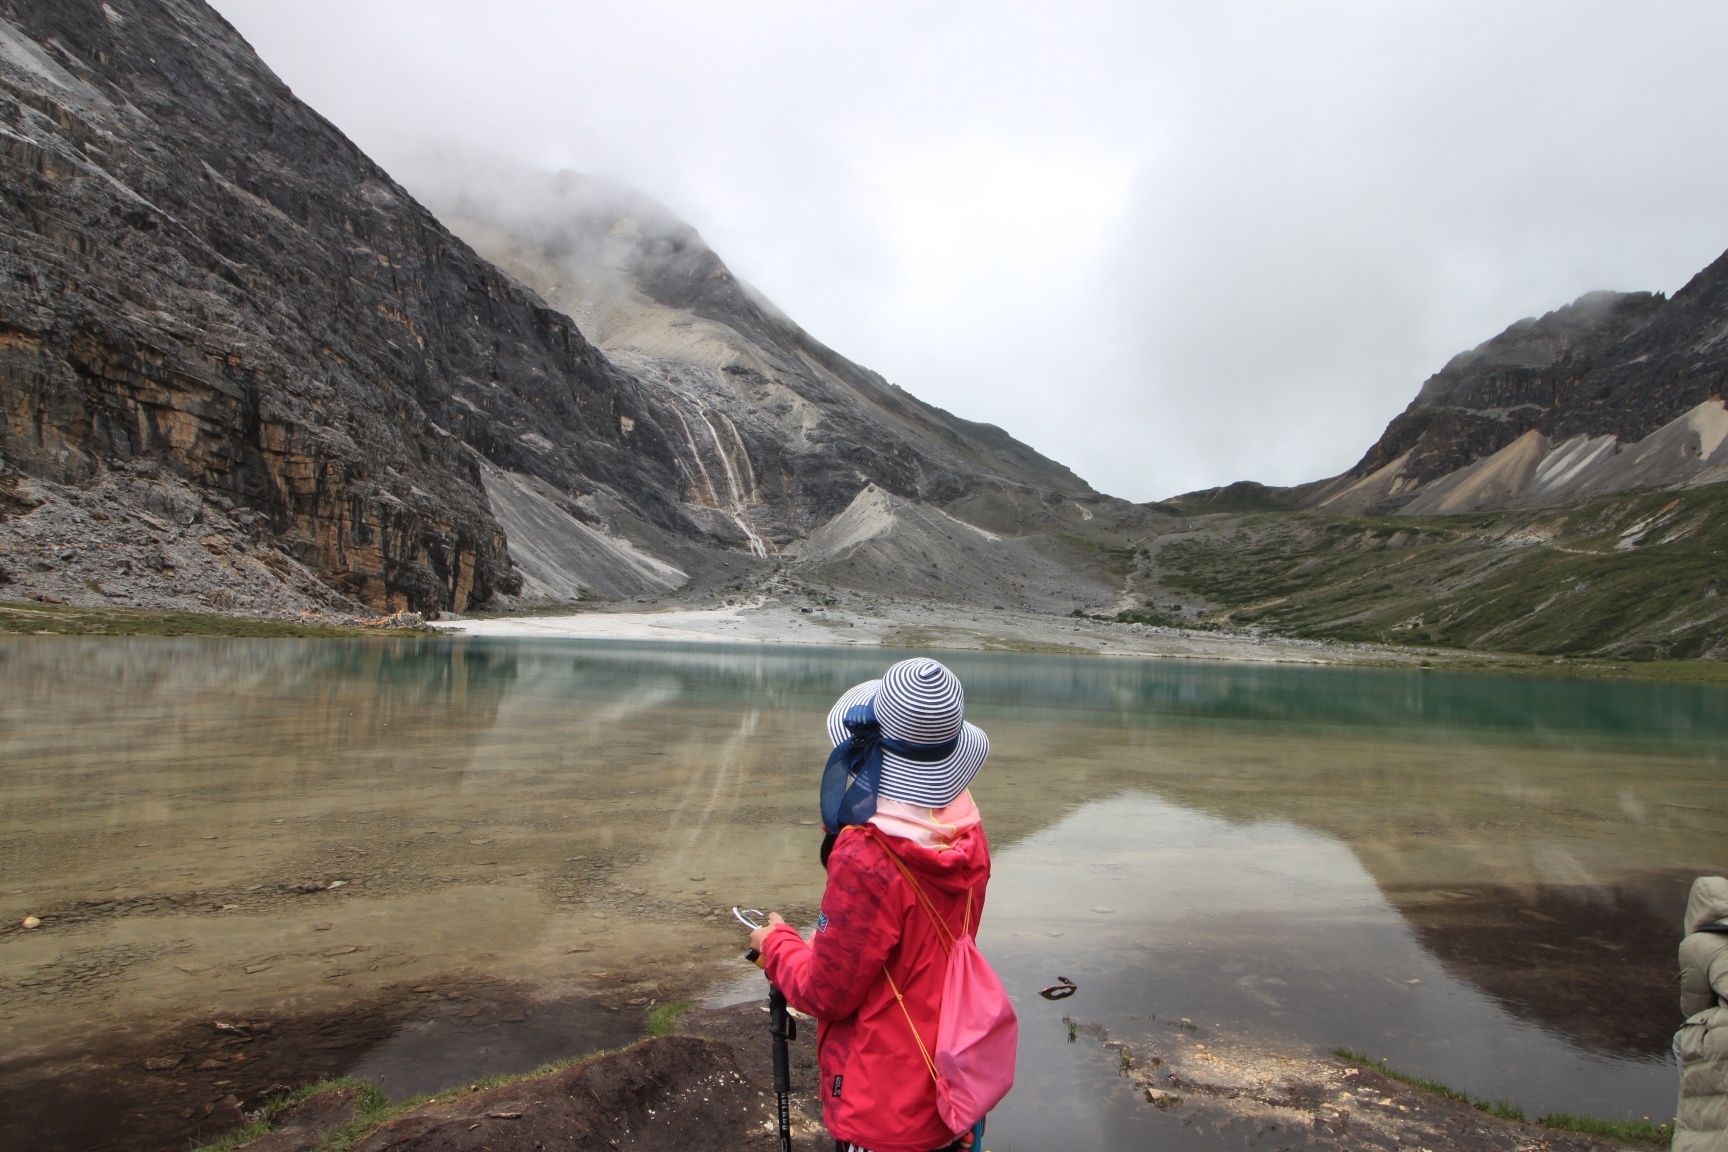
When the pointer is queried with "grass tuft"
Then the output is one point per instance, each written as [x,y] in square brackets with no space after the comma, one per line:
[1628,1129]
[373,1109]
[371,1099]
[1639,1131]
[1434,1087]
[660,1020]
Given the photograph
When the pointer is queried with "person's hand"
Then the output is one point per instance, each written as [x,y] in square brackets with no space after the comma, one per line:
[761,933]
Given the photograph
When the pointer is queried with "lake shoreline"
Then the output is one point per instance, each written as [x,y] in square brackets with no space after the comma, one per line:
[907,625]
[1177,1082]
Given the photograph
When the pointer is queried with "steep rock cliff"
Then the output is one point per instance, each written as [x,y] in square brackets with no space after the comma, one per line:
[198,269]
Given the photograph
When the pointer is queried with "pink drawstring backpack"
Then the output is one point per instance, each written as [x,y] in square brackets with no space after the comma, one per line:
[977,1033]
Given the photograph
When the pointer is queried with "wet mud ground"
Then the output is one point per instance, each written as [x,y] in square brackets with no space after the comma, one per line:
[555,835]
[186,1083]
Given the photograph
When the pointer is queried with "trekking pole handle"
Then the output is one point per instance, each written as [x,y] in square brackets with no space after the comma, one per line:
[743,916]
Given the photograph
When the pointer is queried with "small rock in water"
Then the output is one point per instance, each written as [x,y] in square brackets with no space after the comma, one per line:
[161,1063]
[598,915]
[323,926]
[1054,934]
[32,922]
[255,968]
[485,840]
[340,950]
[702,877]
[1106,911]
[193,969]
[1161,1100]
[579,948]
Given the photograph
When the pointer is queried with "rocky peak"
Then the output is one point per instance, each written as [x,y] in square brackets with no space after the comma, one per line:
[776,432]
[1487,397]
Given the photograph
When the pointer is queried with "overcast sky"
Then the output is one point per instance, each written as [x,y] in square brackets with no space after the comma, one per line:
[1169,245]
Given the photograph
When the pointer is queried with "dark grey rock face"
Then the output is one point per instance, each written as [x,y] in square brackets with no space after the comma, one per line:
[197,268]
[1540,413]
[1673,362]
[1485,398]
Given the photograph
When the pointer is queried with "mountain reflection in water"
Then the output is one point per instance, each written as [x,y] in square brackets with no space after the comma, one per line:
[1480,877]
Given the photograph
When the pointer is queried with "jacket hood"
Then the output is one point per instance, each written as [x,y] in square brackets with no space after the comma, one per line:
[1707,904]
[953,867]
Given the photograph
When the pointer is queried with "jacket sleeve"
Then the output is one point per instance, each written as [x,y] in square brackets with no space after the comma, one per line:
[859,925]
[1703,972]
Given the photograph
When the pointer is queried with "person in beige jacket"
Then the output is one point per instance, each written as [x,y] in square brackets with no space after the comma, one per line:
[1702,1042]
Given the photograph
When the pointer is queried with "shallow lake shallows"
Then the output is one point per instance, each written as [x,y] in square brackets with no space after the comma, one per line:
[1479,878]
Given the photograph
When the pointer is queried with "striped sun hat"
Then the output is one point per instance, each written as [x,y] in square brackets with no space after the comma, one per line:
[921,702]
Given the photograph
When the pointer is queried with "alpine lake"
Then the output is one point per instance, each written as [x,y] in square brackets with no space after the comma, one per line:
[431,859]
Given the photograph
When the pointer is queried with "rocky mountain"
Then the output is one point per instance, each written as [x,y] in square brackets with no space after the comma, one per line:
[210,299]
[781,439]
[1611,392]
[1589,447]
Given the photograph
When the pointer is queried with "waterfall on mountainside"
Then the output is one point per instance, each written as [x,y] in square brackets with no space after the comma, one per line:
[719,454]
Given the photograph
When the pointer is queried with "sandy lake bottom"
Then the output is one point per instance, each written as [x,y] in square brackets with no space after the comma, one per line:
[1478,878]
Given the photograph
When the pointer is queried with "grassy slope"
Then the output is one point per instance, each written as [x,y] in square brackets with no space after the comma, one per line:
[1556,582]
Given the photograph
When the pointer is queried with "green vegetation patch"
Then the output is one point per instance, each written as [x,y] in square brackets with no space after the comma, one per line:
[23,617]
[1639,1131]
[373,1109]
[1432,1087]
[1635,577]
[371,1100]
[660,1019]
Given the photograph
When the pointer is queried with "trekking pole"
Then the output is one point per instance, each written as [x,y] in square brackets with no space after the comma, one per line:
[784,1029]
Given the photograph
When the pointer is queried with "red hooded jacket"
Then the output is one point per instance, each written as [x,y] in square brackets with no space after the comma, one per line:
[876,1089]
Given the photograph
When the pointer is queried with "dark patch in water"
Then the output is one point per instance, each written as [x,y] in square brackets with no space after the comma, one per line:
[1595,964]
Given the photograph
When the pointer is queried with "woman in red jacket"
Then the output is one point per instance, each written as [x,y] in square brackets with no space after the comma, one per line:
[895,787]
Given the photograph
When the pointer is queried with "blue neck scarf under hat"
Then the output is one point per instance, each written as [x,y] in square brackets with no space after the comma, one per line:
[854,769]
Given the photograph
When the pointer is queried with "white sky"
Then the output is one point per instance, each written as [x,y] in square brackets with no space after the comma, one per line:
[1170,245]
